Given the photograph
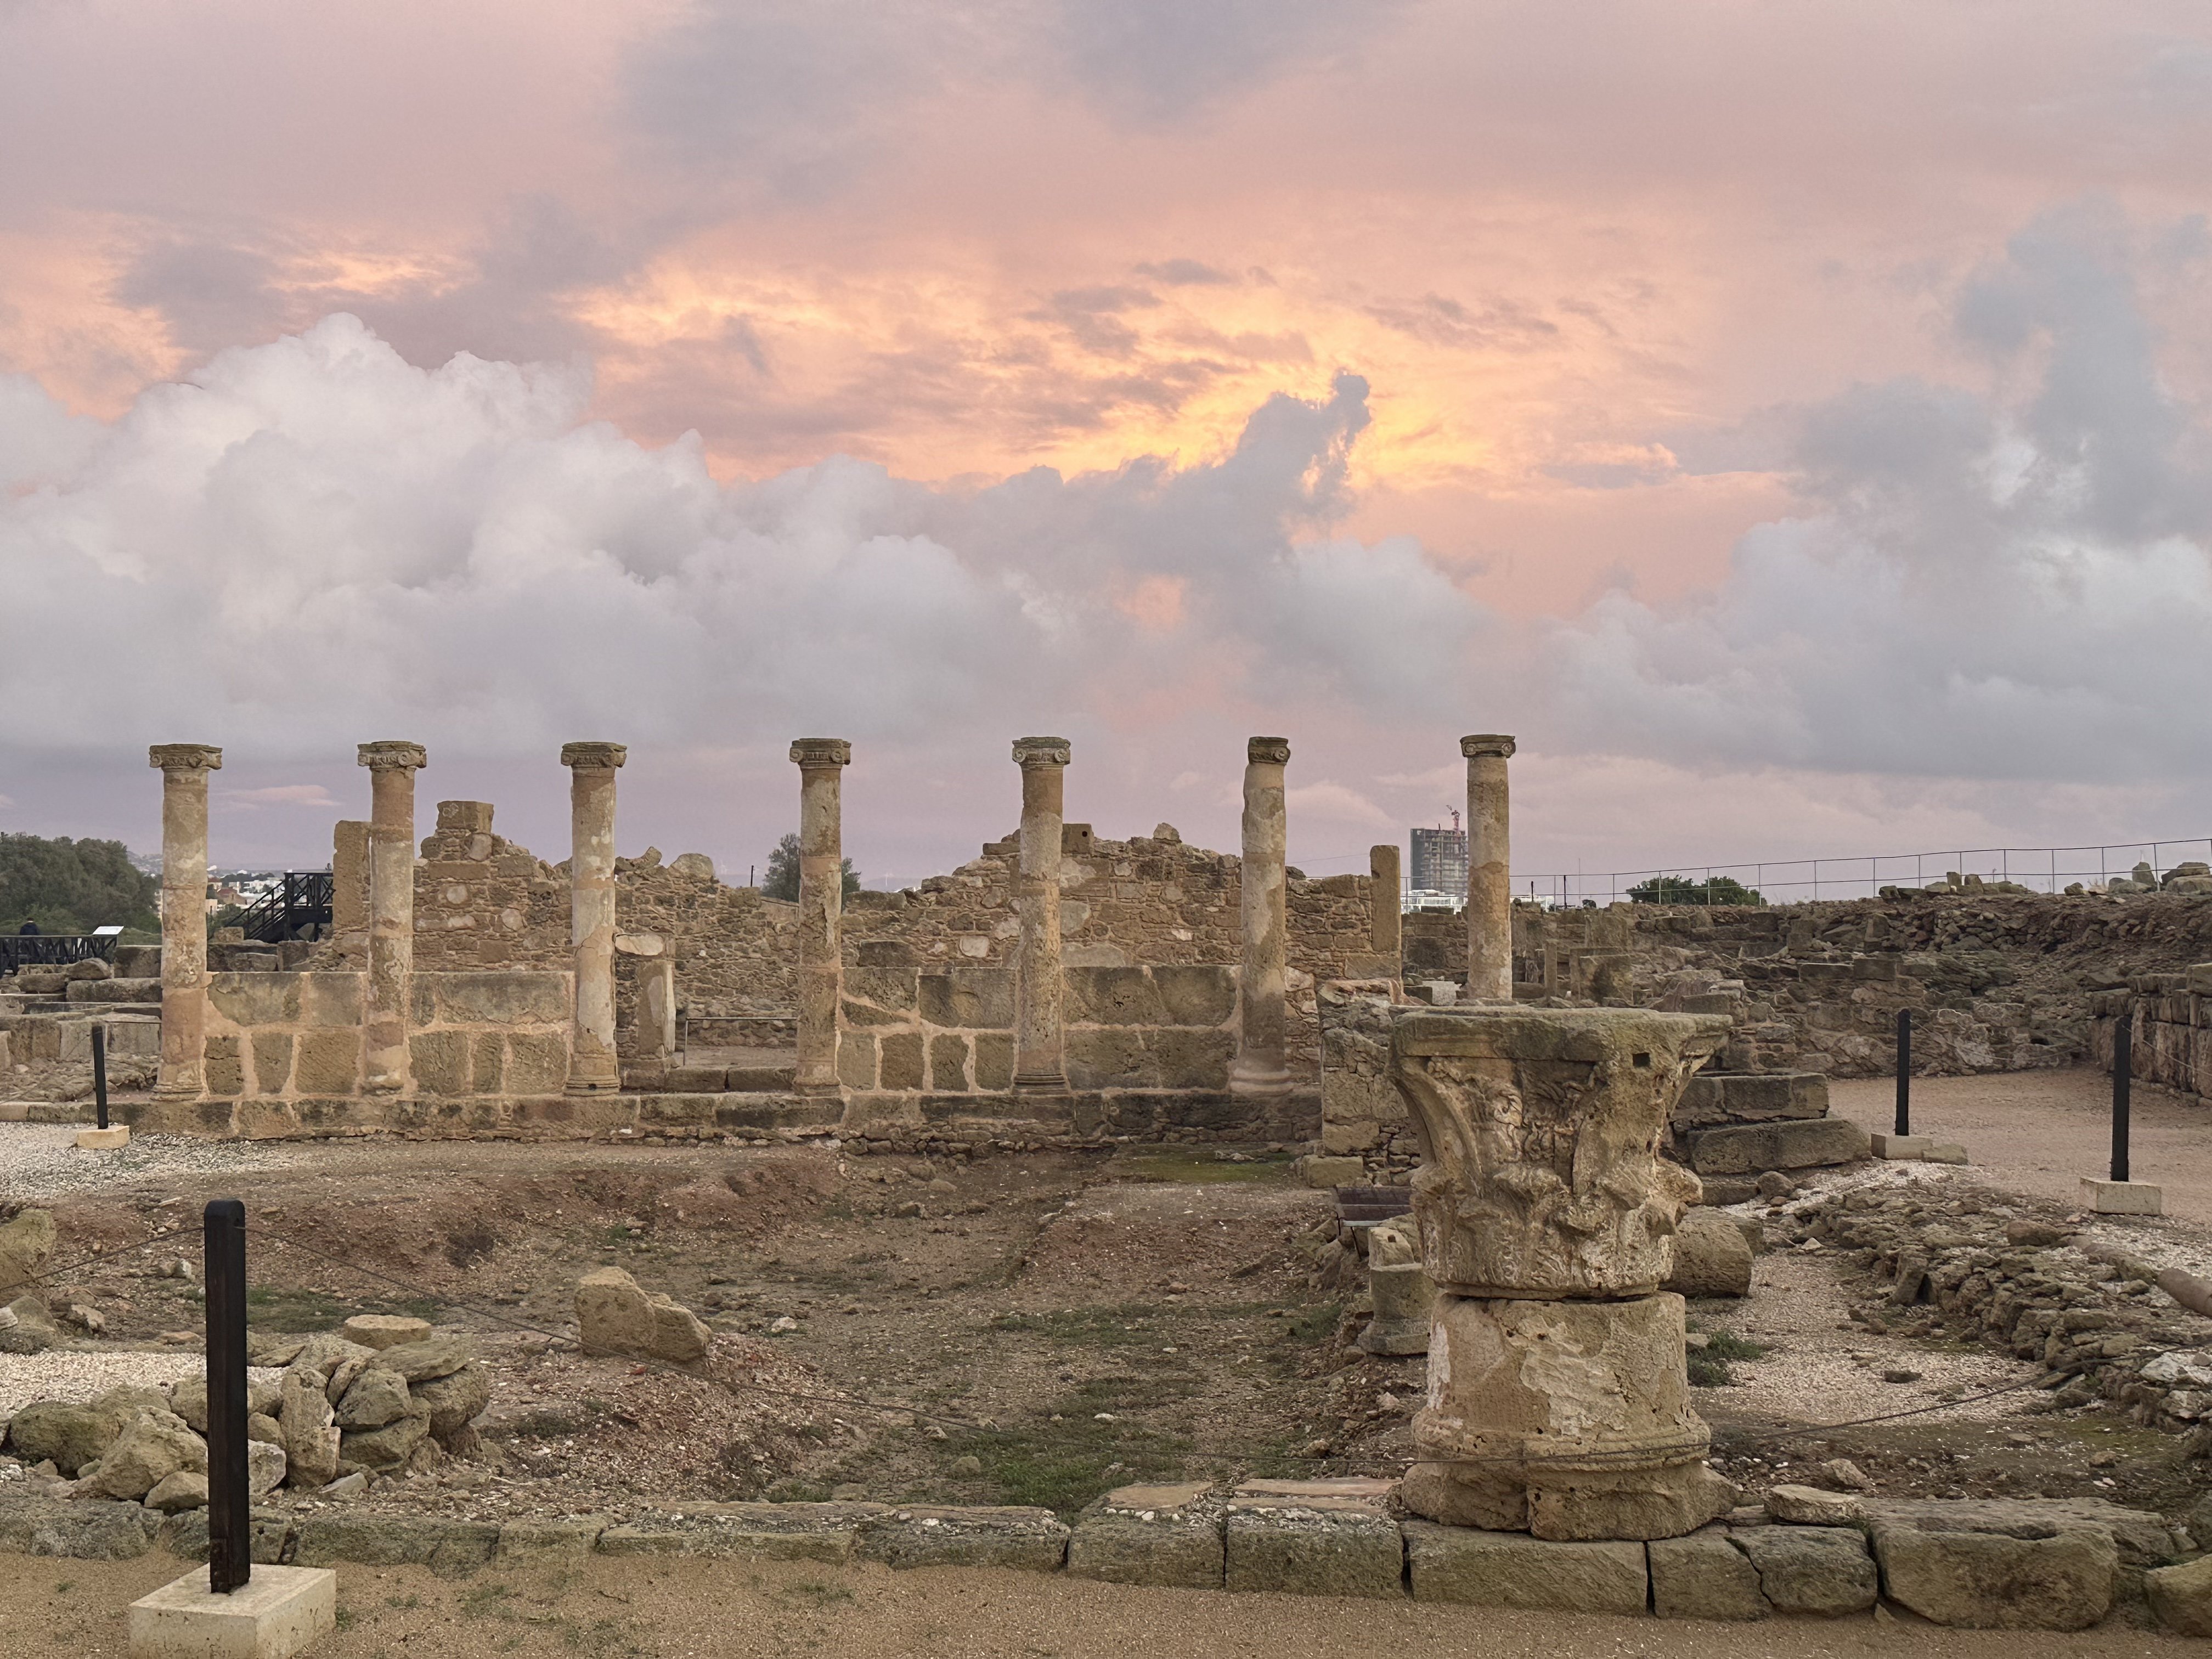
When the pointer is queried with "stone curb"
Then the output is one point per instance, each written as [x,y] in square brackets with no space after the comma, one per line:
[1964,1565]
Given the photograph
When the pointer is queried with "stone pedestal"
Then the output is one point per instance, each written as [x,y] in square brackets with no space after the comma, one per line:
[1259,1072]
[821,762]
[592,1067]
[1559,1402]
[184,769]
[278,1612]
[392,768]
[1385,927]
[1039,1057]
[113,1138]
[658,1037]
[1489,869]
[349,883]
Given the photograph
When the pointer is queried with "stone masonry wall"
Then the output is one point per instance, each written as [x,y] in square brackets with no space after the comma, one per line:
[2171,1044]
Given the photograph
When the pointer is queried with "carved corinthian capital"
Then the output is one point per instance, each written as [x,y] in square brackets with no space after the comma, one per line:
[1541,1133]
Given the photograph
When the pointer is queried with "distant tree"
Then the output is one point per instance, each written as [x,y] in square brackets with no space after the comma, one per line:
[782,881]
[74,886]
[1680,889]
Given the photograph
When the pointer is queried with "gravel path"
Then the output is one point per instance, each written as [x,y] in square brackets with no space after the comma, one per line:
[2041,1132]
[60,1374]
[41,1160]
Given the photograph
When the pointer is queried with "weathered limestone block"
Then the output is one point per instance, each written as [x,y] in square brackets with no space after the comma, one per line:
[2034,1575]
[615,1314]
[384,1330]
[1704,1576]
[1403,1300]
[1150,1536]
[1512,1570]
[1750,1148]
[2182,1597]
[1541,1133]
[1823,1570]
[1569,1420]
[1712,1257]
[69,1434]
[1030,1539]
[1299,1551]
[311,1430]
[152,1447]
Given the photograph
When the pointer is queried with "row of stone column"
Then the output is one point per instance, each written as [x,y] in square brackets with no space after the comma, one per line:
[1260,1072]
[592,1067]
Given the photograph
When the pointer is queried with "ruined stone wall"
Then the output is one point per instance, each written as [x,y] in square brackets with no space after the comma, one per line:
[2171,1043]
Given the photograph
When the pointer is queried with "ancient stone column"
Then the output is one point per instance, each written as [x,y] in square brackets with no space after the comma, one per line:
[1489,870]
[592,1067]
[1040,1063]
[1559,1402]
[1386,926]
[392,768]
[1259,1072]
[184,769]
[821,761]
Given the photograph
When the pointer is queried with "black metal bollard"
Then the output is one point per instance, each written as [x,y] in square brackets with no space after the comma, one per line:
[100,1071]
[1905,1071]
[2123,1035]
[230,1513]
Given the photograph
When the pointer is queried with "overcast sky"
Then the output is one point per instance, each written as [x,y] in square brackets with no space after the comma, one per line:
[1788,419]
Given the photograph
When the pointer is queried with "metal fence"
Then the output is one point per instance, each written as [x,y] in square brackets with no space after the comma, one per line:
[53,950]
[1784,881]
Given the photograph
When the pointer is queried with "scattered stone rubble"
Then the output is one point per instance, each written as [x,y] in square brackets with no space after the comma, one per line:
[1981,1266]
[320,1409]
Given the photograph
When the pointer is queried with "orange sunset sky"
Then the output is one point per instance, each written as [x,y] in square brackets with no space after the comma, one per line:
[1787,418]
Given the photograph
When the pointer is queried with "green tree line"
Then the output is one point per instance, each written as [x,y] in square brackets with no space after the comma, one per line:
[68,886]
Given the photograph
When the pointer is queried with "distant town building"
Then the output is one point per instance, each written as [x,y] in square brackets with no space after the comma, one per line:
[1438,867]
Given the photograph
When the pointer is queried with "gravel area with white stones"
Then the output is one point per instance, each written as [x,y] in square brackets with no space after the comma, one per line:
[38,1161]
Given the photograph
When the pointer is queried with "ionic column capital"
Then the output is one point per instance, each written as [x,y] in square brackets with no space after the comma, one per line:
[185,756]
[393,754]
[1041,751]
[606,754]
[1493,744]
[1268,751]
[811,752]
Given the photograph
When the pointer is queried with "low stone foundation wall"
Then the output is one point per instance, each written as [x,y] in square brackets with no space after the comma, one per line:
[2019,1563]
[2172,1041]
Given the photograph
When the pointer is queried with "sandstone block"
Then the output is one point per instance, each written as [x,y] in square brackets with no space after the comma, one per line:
[2122,1197]
[151,1448]
[395,1540]
[387,1447]
[968,998]
[421,1362]
[311,1430]
[69,1434]
[25,1326]
[1195,994]
[384,1330]
[455,1399]
[84,1530]
[1748,1149]
[1704,1576]
[177,1491]
[1711,1255]
[900,1067]
[377,1397]
[614,1315]
[2182,1597]
[1168,1535]
[537,1063]
[1301,1551]
[1512,1570]
[1332,1171]
[533,1541]
[327,1062]
[1811,1506]
[1822,1570]
[1033,1540]
[2046,1578]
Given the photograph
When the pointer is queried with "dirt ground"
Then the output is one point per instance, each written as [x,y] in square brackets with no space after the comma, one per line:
[2041,1132]
[1032,1329]
[692,1609]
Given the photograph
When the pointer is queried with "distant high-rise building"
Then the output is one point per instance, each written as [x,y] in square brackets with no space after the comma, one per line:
[1439,864]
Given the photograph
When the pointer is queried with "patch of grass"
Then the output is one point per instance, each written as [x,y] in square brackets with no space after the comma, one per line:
[1104,1326]
[1313,1324]
[1063,1466]
[1199,1168]
[299,1313]
[817,1592]
[1709,1365]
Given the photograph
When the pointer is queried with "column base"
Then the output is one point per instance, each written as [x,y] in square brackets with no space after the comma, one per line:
[175,1091]
[593,1085]
[1257,1080]
[2122,1197]
[1040,1083]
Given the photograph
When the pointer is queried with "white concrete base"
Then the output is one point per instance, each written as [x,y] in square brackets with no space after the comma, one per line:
[1925,1149]
[2122,1197]
[281,1611]
[104,1140]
